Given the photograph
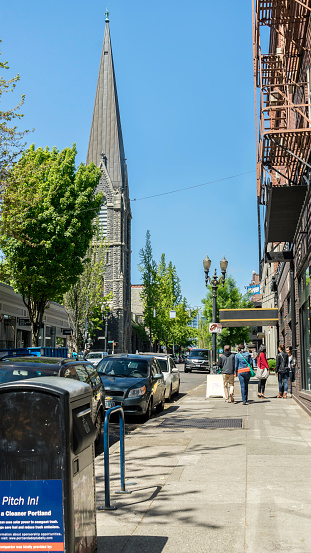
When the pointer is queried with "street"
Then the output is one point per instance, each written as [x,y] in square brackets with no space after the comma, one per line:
[188,382]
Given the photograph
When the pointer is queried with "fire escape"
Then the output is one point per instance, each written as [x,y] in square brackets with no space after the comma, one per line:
[282,29]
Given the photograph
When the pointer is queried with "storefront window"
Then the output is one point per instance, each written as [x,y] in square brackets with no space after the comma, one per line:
[50,336]
[305,329]
[7,331]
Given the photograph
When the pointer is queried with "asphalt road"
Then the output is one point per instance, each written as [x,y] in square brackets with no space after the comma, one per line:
[188,381]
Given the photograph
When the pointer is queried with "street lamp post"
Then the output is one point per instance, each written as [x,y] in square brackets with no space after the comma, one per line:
[103,309]
[106,311]
[214,282]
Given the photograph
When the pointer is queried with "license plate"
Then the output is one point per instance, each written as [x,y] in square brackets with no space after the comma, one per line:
[109,403]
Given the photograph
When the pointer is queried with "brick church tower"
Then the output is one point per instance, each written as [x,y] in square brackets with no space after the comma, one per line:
[107,151]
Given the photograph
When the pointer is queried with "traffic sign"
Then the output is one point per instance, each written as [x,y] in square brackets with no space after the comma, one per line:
[215,327]
[110,341]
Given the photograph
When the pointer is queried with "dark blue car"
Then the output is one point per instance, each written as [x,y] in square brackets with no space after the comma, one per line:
[135,382]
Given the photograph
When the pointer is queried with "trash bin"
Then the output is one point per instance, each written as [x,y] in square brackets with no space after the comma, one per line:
[47,483]
[48,351]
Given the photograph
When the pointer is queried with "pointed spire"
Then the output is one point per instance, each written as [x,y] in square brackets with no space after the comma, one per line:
[106,132]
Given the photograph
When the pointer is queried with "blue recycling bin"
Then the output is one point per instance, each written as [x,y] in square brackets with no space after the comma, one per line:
[47,480]
[48,351]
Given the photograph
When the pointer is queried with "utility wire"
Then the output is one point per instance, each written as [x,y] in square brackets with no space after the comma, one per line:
[189,187]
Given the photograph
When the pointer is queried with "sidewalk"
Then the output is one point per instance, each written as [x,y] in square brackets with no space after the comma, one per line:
[209,490]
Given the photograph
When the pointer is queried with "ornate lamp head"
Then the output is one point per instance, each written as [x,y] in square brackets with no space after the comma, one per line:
[223,268]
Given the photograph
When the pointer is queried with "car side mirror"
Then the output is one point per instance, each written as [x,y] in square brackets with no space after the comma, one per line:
[158,376]
[175,370]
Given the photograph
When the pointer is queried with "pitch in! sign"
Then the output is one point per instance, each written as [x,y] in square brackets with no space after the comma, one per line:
[31,516]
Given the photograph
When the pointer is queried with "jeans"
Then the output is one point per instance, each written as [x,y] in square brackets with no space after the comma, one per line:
[283,383]
[291,380]
[261,385]
[244,380]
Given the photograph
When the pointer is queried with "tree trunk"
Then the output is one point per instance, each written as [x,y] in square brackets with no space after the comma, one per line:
[36,311]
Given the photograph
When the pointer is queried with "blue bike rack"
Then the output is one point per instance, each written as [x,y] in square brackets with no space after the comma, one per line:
[108,413]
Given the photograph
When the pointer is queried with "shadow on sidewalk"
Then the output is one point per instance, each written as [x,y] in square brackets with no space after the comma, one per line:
[132,544]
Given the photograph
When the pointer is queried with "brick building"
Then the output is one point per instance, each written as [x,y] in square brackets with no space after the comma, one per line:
[106,149]
[282,70]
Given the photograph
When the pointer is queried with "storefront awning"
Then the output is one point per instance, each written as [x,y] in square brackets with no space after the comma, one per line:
[248,317]
[283,210]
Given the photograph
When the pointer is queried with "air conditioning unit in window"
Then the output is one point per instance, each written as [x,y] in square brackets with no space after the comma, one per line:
[275,97]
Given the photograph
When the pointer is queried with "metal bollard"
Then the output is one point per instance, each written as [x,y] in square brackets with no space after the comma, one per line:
[108,413]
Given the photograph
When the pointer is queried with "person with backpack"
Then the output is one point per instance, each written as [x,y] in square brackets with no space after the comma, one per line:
[282,370]
[243,366]
[227,364]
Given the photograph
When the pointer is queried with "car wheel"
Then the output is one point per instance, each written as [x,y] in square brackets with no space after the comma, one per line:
[160,405]
[147,415]
[186,370]
[98,426]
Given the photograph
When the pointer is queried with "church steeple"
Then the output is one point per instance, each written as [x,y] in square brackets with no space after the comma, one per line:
[106,133]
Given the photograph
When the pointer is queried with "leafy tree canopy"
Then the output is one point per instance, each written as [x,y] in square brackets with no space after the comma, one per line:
[162,294]
[46,225]
[228,297]
[11,140]
[84,300]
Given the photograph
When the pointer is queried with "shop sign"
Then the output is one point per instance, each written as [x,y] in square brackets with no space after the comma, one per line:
[67,331]
[24,322]
[253,289]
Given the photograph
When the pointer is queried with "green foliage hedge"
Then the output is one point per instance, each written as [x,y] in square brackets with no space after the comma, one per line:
[271,363]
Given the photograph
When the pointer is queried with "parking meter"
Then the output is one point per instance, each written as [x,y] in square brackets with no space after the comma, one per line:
[47,483]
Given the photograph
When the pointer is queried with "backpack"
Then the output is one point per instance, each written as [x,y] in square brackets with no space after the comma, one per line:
[282,367]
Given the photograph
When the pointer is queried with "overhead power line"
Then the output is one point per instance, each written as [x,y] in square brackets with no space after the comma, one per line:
[194,186]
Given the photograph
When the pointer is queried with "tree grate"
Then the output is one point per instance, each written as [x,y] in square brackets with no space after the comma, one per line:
[202,423]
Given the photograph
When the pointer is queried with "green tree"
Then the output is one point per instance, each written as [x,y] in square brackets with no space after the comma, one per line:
[149,294]
[228,297]
[11,140]
[47,222]
[162,294]
[84,300]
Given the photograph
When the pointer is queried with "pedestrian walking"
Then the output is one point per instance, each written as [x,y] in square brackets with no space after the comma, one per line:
[227,364]
[292,369]
[85,353]
[243,367]
[282,370]
[254,358]
[262,371]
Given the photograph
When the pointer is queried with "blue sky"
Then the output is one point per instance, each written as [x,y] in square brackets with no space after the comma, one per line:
[185,84]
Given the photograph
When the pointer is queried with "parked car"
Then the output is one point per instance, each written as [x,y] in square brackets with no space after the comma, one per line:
[198,359]
[95,357]
[133,381]
[21,368]
[170,372]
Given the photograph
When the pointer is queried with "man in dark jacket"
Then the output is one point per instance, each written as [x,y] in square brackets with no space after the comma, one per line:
[227,364]
[282,370]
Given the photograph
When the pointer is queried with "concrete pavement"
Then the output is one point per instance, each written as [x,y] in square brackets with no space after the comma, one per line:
[202,489]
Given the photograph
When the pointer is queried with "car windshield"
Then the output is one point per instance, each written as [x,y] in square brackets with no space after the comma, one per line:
[21,374]
[199,353]
[163,364]
[133,368]
[94,356]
